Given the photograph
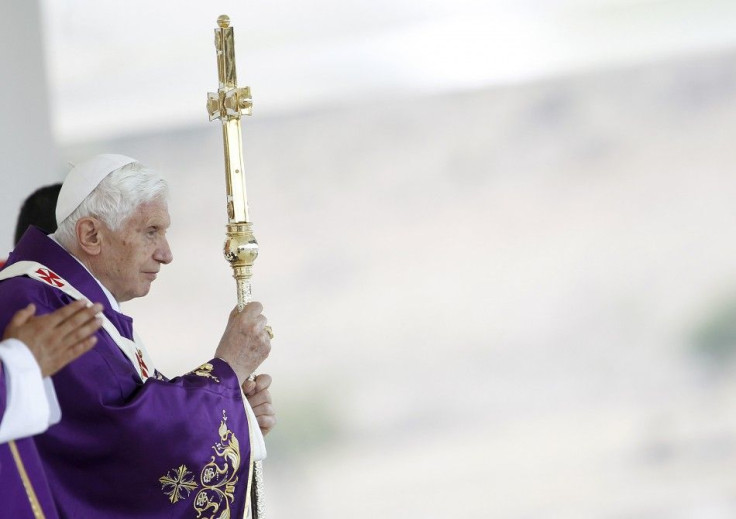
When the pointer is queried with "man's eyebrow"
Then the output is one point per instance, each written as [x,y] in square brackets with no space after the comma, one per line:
[158,226]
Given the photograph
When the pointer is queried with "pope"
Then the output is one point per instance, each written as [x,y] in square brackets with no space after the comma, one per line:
[132,442]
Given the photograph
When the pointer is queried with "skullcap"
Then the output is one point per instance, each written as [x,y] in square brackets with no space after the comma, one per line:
[83,179]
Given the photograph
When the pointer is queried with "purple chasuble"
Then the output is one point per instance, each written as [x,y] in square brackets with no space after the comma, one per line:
[174,448]
[14,499]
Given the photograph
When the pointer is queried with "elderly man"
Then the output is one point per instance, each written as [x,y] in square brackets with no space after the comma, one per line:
[132,443]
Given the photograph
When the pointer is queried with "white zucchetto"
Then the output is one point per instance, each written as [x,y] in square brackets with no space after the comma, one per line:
[83,179]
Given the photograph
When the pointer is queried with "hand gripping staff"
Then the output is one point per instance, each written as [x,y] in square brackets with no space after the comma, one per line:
[241,248]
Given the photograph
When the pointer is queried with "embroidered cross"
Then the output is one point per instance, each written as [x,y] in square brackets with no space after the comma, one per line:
[141,363]
[50,277]
[178,483]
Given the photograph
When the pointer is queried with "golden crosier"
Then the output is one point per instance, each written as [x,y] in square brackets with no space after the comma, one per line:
[241,247]
[227,105]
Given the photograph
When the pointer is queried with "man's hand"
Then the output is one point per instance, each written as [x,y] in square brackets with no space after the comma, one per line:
[260,400]
[245,343]
[57,338]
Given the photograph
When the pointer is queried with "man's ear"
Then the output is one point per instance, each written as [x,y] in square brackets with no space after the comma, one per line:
[89,235]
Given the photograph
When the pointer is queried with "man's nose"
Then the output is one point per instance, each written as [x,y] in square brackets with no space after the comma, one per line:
[163,253]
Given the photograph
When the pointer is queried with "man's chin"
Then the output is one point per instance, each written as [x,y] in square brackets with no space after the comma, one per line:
[142,291]
[145,289]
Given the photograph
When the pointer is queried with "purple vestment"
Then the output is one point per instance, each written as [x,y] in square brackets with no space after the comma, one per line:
[14,500]
[164,448]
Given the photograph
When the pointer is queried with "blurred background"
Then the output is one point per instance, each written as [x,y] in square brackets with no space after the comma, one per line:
[498,238]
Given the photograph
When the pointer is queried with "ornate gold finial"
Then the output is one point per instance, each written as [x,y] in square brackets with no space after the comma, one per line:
[223,21]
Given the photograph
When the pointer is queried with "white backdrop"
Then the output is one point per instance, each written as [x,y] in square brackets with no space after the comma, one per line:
[487,304]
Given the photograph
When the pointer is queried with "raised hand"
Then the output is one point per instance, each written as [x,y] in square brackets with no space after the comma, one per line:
[57,338]
[245,344]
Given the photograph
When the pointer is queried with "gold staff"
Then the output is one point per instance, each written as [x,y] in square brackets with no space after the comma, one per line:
[241,248]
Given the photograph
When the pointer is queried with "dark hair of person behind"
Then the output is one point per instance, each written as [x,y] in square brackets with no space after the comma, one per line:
[39,209]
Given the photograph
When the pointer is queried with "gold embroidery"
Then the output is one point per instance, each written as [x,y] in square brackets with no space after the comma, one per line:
[217,478]
[179,484]
[205,370]
[30,492]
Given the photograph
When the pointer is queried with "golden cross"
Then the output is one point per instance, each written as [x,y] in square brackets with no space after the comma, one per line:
[228,104]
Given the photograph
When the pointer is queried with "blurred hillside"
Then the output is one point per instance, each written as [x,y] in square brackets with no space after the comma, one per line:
[501,303]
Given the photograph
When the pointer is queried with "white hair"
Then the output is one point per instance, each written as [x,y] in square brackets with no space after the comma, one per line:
[115,199]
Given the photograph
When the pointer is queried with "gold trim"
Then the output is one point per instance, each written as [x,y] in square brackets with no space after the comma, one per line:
[205,370]
[30,492]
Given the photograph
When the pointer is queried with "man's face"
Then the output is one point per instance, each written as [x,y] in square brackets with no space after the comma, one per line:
[131,256]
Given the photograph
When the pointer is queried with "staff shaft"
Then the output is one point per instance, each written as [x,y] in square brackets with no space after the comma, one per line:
[241,247]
